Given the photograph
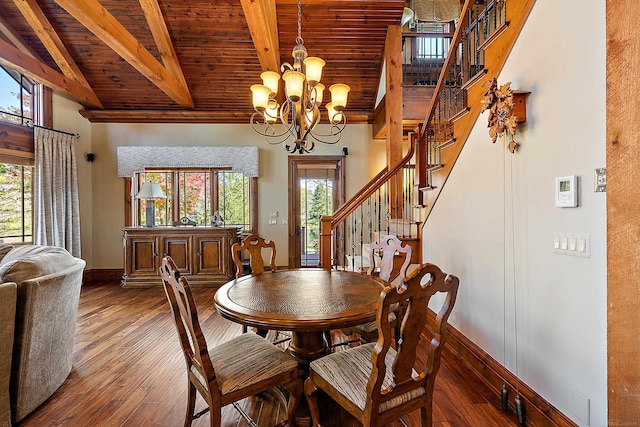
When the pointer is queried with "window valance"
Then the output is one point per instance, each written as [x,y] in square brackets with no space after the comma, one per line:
[135,159]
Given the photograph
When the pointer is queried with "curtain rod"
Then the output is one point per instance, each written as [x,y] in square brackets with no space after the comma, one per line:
[31,125]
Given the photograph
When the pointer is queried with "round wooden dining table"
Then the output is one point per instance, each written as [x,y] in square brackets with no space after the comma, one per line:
[305,301]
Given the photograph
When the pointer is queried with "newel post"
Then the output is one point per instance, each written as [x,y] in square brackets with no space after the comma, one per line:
[325,242]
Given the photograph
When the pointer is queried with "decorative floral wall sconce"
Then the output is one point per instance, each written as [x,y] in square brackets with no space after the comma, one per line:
[507,108]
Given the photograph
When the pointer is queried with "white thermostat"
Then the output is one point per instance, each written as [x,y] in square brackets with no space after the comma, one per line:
[567,191]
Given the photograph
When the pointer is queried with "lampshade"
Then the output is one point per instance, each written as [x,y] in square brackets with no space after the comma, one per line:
[260,96]
[150,190]
[407,15]
[334,116]
[271,112]
[294,82]
[313,69]
[319,88]
[339,93]
[270,79]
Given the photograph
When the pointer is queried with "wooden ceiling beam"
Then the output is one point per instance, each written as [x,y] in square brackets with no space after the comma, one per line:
[107,28]
[16,39]
[263,25]
[43,74]
[51,41]
[161,35]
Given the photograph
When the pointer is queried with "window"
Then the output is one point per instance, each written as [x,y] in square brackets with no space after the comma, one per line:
[16,97]
[198,194]
[21,102]
[15,203]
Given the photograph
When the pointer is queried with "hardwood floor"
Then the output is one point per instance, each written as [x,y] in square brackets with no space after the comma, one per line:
[128,370]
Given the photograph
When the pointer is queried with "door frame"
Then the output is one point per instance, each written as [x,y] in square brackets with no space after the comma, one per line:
[337,162]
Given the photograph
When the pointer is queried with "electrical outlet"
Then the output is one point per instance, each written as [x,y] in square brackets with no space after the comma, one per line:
[600,180]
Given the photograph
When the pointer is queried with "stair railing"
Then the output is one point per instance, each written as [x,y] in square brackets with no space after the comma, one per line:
[386,204]
[480,21]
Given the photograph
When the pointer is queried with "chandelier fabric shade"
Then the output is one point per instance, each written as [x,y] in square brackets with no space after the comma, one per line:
[299,113]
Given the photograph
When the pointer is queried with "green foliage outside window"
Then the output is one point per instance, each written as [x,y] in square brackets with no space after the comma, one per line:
[15,203]
[194,198]
[317,196]
[233,205]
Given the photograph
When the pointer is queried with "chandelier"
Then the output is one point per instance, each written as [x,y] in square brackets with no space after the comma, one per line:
[299,113]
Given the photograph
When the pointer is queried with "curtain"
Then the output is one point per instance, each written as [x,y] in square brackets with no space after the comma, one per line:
[56,213]
[437,10]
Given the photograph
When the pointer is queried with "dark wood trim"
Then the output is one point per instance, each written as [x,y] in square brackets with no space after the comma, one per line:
[128,206]
[293,167]
[99,276]
[16,139]
[460,349]
[180,116]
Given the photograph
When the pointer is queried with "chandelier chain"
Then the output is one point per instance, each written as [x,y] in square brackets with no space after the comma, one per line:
[299,39]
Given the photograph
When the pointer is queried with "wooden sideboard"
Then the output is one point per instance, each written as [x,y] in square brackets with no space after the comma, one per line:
[202,254]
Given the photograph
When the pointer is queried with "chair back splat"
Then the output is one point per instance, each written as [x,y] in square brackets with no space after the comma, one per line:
[254,243]
[376,383]
[390,246]
[242,367]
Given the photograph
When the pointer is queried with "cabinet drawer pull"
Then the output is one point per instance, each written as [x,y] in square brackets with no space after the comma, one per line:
[198,253]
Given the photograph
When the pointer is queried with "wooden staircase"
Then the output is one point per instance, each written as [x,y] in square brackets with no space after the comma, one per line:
[480,46]
[455,108]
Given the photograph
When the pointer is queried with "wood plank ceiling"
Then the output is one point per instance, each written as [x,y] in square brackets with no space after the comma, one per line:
[190,60]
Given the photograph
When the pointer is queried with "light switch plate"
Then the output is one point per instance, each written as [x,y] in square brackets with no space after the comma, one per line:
[572,244]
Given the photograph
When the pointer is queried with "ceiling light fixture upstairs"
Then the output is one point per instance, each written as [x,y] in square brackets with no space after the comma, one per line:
[299,113]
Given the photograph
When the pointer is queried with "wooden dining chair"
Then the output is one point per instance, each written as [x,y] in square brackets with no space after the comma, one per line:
[393,254]
[254,244]
[374,382]
[244,366]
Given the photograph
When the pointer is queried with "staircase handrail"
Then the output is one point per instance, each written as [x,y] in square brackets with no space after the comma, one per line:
[371,187]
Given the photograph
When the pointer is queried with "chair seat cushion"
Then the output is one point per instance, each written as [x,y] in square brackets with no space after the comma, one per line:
[248,359]
[348,372]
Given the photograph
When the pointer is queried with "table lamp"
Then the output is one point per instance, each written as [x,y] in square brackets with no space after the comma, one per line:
[150,191]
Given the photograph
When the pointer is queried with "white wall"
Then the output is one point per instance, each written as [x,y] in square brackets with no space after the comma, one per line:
[108,189]
[558,302]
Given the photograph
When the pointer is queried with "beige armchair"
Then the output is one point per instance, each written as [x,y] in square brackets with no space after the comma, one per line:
[7,322]
[48,283]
